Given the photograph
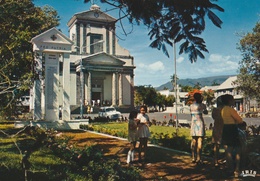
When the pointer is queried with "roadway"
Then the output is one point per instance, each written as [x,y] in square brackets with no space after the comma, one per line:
[161,116]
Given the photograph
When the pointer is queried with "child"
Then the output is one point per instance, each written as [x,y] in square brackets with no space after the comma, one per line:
[143,131]
[217,129]
[132,135]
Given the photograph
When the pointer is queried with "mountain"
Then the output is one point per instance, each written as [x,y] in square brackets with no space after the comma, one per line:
[206,81]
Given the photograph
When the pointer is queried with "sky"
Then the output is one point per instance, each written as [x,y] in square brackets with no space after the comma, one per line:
[155,68]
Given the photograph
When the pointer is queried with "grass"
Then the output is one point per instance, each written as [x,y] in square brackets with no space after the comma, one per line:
[154,129]
[160,135]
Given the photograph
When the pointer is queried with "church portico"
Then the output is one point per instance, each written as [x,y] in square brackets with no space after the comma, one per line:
[103,84]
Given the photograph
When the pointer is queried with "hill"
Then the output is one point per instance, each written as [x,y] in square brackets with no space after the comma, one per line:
[205,81]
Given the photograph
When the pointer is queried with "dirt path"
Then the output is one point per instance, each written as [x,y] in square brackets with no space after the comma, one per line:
[162,164]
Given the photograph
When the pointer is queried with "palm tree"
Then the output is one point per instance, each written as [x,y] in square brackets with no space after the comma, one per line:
[197,86]
[208,96]
[173,78]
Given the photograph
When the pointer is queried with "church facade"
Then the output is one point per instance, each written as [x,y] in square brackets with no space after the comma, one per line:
[108,68]
[88,68]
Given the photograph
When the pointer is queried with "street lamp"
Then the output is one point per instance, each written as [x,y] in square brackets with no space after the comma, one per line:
[175,85]
[82,77]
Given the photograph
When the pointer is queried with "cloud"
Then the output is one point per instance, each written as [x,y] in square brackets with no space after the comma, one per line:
[218,58]
[180,59]
[223,64]
[154,67]
[215,64]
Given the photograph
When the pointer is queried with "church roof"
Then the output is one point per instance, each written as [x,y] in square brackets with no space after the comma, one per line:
[101,58]
[94,14]
[52,40]
[47,37]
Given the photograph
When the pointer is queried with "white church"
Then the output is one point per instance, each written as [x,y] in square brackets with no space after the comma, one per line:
[87,68]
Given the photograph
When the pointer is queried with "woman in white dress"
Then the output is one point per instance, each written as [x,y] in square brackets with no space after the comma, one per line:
[143,131]
[197,109]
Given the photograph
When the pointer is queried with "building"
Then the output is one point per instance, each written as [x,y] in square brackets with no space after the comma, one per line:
[87,68]
[242,103]
[228,87]
[182,97]
[108,68]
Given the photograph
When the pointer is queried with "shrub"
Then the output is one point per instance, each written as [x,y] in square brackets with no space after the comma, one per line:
[50,156]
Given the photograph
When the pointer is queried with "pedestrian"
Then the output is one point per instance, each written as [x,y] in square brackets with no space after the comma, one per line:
[197,109]
[217,129]
[143,132]
[132,135]
[243,143]
[89,109]
[230,134]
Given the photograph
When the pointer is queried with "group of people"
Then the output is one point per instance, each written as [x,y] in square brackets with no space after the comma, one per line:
[138,130]
[225,131]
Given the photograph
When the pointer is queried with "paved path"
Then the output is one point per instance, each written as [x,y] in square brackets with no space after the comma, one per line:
[163,164]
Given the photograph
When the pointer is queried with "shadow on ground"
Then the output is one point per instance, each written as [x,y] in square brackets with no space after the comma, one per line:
[161,164]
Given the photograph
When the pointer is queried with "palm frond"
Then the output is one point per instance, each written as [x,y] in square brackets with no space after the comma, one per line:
[214,18]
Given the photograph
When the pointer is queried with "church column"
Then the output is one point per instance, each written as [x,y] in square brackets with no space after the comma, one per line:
[104,38]
[81,37]
[114,92]
[88,35]
[120,88]
[110,41]
[37,88]
[132,89]
[113,43]
[89,89]
[82,89]
[65,87]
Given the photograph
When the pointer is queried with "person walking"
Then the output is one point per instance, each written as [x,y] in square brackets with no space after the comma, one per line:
[132,135]
[230,134]
[143,131]
[197,109]
[217,129]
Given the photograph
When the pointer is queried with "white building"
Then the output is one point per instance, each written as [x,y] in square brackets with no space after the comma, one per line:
[228,87]
[87,68]
[182,97]
[108,68]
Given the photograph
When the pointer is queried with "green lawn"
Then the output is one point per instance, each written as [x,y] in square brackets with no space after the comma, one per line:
[123,127]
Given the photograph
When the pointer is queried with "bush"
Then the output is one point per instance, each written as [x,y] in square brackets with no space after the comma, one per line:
[50,156]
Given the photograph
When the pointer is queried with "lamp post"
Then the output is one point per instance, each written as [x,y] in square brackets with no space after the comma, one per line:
[82,77]
[175,86]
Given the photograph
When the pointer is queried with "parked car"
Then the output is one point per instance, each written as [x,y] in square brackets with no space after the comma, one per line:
[110,113]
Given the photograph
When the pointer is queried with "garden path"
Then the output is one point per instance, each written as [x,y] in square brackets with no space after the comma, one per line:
[163,164]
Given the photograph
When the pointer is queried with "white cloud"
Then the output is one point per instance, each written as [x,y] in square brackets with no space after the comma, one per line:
[156,66]
[180,59]
[223,64]
[151,68]
[218,58]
